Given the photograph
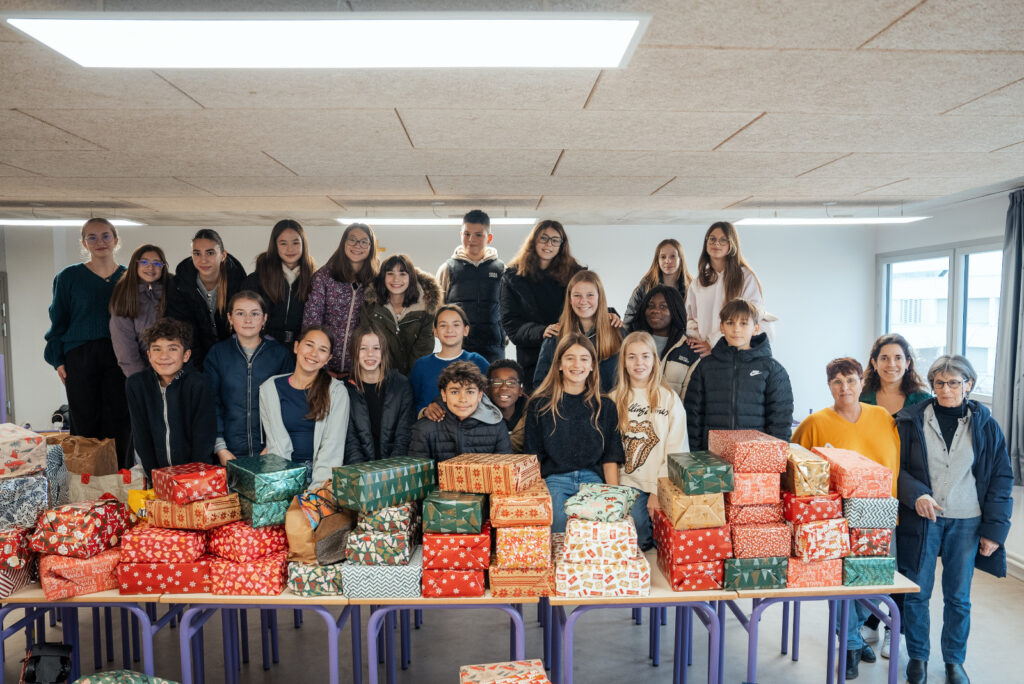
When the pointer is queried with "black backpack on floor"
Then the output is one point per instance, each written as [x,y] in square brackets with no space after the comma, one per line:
[46,664]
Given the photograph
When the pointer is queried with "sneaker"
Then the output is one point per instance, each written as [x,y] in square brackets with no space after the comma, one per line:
[886,643]
[868,634]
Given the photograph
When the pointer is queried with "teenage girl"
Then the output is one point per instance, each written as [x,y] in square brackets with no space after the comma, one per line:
[283,277]
[662,313]
[137,301]
[668,268]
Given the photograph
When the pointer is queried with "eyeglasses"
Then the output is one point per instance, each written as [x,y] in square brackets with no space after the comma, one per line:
[552,240]
[154,264]
[358,242]
[93,239]
[951,384]
[718,241]
[510,383]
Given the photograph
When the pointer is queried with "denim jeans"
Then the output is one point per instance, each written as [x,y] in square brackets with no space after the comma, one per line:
[956,542]
[562,486]
[644,527]
[858,614]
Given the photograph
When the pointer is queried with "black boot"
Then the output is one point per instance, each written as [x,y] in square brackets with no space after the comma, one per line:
[852,664]
[867,655]
[955,674]
[917,671]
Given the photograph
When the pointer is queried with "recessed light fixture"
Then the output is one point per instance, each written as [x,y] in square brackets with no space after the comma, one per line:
[432,221]
[363,40]
[845,221]
[64,223]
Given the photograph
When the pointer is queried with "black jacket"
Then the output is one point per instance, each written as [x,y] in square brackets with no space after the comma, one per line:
[736,389]
[482,433]
[186,303]
[284,319]
[190,427]
[397,417]
[476,288]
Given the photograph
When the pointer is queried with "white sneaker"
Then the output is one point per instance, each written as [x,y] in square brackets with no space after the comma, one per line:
[886,642]
[869,635]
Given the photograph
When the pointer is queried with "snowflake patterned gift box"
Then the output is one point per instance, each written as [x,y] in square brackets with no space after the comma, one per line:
[192,577]
[856,476]
[454,512]
[488,473]
[690,511]
[521,582]
[532,506]
[691,546]
[81,529]
[22,452]
[22,499]
[871,513]
[578,580]
[490,673]
[457,551]
[870,542]
[63,577]
[380,484]
[606,503]
[310,579]
[761,541]
[266,477]
[14,552]
[183,484]
[821,540]
[807,474]
[749,451]
[523,547]
[453,583]
[389,519]
[868,571]
[592,541]
[379,548]
[704,576]
[754,488]
[145,544]
[262,513]
[121,677]
[241,543]
[11,580]
[754,514]
[826,573]
[265,576]
[384,581]
[756,573]
[700,472]
[805,509]
[198,515]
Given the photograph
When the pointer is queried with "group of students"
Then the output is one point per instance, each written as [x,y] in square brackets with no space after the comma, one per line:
[336,365]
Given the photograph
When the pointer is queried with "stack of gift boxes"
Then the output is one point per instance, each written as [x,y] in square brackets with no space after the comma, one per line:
[265,485]
[24,494]
[456,544]
[529,508]
[820,533]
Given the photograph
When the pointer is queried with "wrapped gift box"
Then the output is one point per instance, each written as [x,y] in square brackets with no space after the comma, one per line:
[488,473]
[165,578]
[826,573]
[464,583]
[749,451]
[265,576]
[198,515]
[81,529]
[22,499]
[691,546]
[14,552]
[145,544]
[868,571]
[390,519]
[11,580]
[870,542]
[121,677]
[605,503]
[756,573]
[754,514]
[242,543]
[459,512]
[754,488]
[761,541]
[805,509]
[309,579]
[183,484]
[22,452]
[704,576]
[494,672]
[262,513]
[521,582]
[578,580]
[63,577]
[523,547]
[56,475]
[532,506]
[856,476]
[384,581]
[457,551]
[821,540]
[379,548]
[379,484]
[871,513]
[592,541]
[690,511]
[266,477]
[700,472]
[807,474]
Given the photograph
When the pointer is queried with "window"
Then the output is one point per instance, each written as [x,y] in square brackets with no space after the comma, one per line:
[918,294]
[982,276]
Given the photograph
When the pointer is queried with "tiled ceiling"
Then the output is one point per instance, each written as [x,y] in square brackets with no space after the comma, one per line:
[726,109]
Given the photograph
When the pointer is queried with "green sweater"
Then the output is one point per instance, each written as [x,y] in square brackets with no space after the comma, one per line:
[914,398]
[79,312]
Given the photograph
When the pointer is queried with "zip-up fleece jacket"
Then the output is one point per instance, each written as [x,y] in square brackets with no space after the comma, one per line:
[484,432]
[186,302]
[411,336]
[337,306]
[126,333]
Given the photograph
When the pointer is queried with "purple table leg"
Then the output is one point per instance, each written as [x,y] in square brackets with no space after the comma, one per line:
[229,646]
[389,647]
[97,644]
[108,627]
[892,621]
[721,643]
[785,627]
[844,623]
[265,639]
[544,609]
[406,635]
[655,636]
[557,627]
[126,641]
[830,667]
[796,630]
[680,675]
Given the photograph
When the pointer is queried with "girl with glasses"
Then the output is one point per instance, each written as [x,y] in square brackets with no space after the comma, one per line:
[137,302]
[668,268]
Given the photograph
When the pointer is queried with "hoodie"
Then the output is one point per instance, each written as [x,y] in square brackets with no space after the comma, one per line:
[484,432]
[186,302]
[476,287]
[411,335]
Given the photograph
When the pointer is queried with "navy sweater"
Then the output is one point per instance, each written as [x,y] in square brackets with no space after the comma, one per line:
[571,442]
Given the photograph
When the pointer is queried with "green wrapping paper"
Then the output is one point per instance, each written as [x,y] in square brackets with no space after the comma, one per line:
[756,573]
[383,483]
[266,478]
[384,581]
[263,514]
[390,519]
[121,677]
[700,472]
[456,512]
[379,548]
[306,579]
[601,502]
[868,571]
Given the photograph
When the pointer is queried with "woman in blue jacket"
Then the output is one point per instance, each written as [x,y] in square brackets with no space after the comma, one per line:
[954,487]
[235,369]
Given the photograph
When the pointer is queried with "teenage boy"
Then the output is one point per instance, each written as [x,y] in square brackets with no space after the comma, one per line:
[450,328]
[172,411]
[739,386]
[472,279]
[471,424]
[505,390]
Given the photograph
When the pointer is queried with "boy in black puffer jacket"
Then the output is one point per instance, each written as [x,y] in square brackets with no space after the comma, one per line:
[739,386]
[471,424]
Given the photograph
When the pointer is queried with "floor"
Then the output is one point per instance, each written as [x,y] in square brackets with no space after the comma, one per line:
[609,647]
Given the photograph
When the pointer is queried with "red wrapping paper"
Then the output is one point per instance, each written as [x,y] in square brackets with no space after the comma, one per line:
[14,552]
[263,577]
[453,582]
[821,540]
[827,573]
[704,576]
[165,578]
[63,577]
[749,451]
[754,488]
[523,547]
[146,544]
[457,551]
[198,515]
[489,473]
[241,542]
[856,476]
[190,482]
[761,541]
[805,509]
[532,506]
[691,546]
[81,529]
[870,542]
[754,514]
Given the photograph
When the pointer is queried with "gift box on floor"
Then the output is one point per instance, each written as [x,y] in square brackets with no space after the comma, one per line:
[63,577]
[826,573]
[804,509]
[488,473]
[867,571]
[145,544]
[691,546]
[266,477]
[523,547]
[383,581]
[13,579]
[753,488]
[700,472]
[754,514]
[871,513]
[183,484]
[494,672]
[241,542]
[807,474]
[198,515]
[704,576]
[592,541]
[761,541]
[532,506]
[22,499]
[756,573]
[854,475]
[629,578]
[22,452]
[460,512]
[602,502]
[309,579]
[749,451]
[56,475]
[379,548]
[379,484]
[520,582]
[870,542]
[14,552]
[457,551]
[265,576]
[690,511]
[81,529]
[821,540]
[389,519]
[121,677]
[165,578]
[447,582]
[262,513]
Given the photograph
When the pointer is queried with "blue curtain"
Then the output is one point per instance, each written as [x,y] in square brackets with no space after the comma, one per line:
[1008,395]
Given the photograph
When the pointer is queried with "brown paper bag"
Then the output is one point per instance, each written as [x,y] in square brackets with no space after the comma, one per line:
[300,534]
[89,455]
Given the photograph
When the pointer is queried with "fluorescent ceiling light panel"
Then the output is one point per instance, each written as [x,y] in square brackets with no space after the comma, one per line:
[64,223]
[340,41]
[846,221]
[431,221]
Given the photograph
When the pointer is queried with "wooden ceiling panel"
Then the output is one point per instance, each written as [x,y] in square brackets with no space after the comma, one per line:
[955,25]
[310,161]
[490,186]
[720,164]
[134,165]
[19,131]
[296,186]
[106,188]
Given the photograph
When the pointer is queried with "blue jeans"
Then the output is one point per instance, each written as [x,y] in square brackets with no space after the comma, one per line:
[644,528]
[562,486]
[858,614]
[956,542]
